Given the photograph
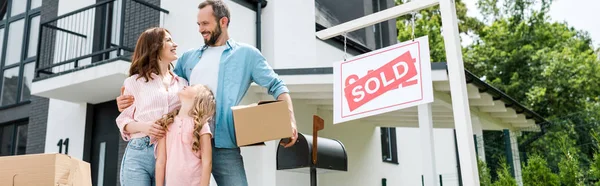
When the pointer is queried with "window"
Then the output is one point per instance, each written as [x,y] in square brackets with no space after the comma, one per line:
[330,13]
[19,29]
[388,145]
[13,138]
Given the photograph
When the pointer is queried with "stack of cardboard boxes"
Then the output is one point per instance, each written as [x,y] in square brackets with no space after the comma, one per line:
[44,169]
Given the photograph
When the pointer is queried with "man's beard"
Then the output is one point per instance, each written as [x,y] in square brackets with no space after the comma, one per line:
[214,36]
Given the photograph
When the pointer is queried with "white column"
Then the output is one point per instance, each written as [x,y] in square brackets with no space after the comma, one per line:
[458,90]
[514,147]
[427,146]
[285,24]
[66,120]
[477,127]
[269,166]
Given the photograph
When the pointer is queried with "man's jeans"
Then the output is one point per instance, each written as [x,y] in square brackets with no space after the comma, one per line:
[137,167]
[228,167]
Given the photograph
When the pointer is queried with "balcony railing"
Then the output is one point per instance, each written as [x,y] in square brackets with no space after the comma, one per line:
[96,34]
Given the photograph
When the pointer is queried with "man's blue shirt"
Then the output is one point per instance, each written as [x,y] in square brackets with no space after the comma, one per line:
[240,65]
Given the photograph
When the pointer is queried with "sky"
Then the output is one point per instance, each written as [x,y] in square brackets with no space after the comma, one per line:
[576,13]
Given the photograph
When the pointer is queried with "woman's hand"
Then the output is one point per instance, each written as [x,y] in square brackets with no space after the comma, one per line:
[154,130]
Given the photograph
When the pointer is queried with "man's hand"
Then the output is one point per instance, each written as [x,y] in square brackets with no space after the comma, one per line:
[286,97]
[293,138]
[124,101]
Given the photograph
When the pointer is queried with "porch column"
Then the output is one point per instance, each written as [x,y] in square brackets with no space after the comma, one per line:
[66,128]
[260,164]
[427,147]
[516,156]
[512,153]
[279,21]
[478,137]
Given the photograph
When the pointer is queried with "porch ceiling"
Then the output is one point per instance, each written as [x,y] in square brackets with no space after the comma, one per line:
[491,111]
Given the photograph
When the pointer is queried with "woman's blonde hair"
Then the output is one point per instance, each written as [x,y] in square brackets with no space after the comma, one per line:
[203,109]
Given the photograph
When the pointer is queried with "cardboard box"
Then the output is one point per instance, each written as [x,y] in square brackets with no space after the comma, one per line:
[44,169]
[261,122]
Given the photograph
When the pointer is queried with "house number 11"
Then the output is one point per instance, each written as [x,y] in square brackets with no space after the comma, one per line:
[62,143]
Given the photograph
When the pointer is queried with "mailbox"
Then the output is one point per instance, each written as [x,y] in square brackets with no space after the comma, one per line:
[331,155]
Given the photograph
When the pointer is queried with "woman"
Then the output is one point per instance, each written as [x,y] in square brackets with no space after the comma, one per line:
[154,88]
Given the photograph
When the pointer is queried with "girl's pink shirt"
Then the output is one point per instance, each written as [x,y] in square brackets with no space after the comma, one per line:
[184,166]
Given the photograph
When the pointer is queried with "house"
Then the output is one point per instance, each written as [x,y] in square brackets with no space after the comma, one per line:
[63,63]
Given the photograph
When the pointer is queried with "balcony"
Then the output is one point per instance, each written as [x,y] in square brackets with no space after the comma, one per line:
[84,55]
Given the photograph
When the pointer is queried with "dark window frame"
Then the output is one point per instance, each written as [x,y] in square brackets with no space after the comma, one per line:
[389,149]
[13,141]
[380,31]
[378,35]
[26,16]
[248,4]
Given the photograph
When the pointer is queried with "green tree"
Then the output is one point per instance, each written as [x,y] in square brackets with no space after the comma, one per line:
[504,176]
[595,168]
[557,144]
[429,22]
[570,173]
[537,173]
[594,173]
[550,67]
[485,179]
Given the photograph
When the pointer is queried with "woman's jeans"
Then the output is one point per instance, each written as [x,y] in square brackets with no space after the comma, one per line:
[137,167]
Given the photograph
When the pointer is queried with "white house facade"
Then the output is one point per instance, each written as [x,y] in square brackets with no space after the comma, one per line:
[59,94]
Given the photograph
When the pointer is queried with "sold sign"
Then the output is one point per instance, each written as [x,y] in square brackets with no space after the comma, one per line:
[388,79]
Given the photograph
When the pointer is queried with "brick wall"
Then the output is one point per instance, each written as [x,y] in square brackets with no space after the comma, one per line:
[138,18]
[36,129]
[49,11]
[38,112]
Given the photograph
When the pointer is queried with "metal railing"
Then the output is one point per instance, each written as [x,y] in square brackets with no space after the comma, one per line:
[445,180]
[97,33]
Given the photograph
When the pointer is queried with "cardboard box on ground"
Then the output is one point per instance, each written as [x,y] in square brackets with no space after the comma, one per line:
[260,122]
[44,169]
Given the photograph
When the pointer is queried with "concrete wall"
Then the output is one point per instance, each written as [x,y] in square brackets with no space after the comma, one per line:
[66,120]
[182,23]
[287,32]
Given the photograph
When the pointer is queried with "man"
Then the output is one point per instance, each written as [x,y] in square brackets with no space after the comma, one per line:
[228,68]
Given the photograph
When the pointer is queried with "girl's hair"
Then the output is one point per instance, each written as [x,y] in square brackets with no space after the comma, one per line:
[147,53]
[203,109]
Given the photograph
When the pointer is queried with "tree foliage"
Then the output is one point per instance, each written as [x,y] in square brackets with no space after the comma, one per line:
[485,179]
[429,22]
[550,67]
[504,176]
[537,173]
[570,173]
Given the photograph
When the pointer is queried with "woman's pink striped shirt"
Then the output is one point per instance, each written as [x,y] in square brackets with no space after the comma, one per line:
[151,101]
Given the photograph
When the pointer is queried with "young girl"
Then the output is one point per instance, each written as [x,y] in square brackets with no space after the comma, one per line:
[154,88]
[184,156]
